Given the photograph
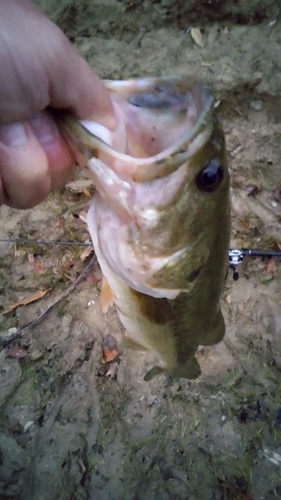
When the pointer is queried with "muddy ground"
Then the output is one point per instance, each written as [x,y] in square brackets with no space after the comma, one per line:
[73,427]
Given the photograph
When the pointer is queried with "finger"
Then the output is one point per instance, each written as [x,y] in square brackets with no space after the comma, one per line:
[60,160]
[31,165]
[24,167]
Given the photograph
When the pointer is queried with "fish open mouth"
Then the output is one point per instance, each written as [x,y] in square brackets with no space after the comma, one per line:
[162,123]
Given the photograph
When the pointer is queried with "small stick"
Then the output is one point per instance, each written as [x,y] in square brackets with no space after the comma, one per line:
[6,341]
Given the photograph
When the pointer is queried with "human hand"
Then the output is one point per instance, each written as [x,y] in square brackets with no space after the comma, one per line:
[39,69]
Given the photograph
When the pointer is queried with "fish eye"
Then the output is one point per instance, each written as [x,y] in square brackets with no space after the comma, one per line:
[210,177]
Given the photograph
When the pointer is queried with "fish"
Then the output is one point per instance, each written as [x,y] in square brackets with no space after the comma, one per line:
[160,217]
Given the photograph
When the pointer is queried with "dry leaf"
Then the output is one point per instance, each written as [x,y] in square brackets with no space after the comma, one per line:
[228,299]
[196,34]
[79,186]
[109,349]
[253,190]
[31,258]
[112,371]
[24,302]
[19,252]
[106,296]
[17,352]
[87,193]
[61,223]
[271,266]
[86,253]
[245,223]
[94,277]
[39,268]
[109,342]
[108,355]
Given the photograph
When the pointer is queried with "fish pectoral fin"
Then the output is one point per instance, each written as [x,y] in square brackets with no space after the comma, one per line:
[156,370]
[106,296]
[128,343]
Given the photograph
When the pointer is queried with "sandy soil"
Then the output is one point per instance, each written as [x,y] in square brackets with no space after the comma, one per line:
[74,428]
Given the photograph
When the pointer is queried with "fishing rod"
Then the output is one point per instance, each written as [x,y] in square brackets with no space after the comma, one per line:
[235,256]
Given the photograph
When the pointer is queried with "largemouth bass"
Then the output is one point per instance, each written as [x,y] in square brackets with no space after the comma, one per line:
[160,220]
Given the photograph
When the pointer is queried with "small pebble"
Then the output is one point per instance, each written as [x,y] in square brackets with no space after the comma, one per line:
[36,354]
[27,426]
[257,104]
[12,331]
[151,400]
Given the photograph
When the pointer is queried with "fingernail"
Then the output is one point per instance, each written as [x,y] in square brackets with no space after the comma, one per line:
[44,128]
[13,135]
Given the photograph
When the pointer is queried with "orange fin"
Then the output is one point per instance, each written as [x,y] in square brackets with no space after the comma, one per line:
[106,296]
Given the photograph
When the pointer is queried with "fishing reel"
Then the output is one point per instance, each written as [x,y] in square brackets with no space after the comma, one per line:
[235,257]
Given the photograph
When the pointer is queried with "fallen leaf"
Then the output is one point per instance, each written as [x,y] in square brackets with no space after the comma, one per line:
[245,223]
[271,266]
[277,194]
[87,193]
[228,299]
[61,223]
[39,268]
[17,352]
[108,355]
[86,253]
[31,258]
[109,349]
[68,276]
[79,186]
[112,371]
[19,252]
[253,190]
[24,302]
[236,150]
[27,425]
[196,34]
[266,279]
[94,277]
[109,342]
[69,265]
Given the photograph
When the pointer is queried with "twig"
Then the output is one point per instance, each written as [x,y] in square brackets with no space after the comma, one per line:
[5,341]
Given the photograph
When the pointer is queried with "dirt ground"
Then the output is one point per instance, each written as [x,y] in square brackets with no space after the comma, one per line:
[73,427]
